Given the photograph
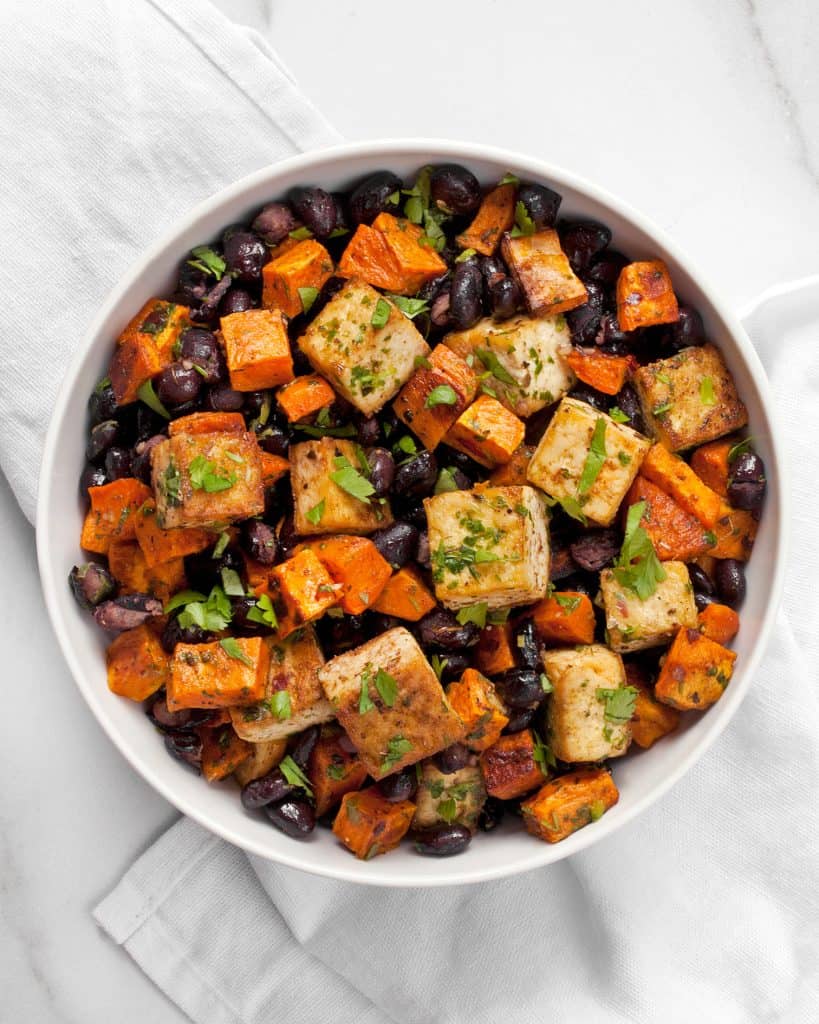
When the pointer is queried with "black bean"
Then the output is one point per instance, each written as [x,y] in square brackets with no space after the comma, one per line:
[270,787]
[174,634]
[520,688]
[422,552]
[454,663]
[595,549]
[254,403]
[193,283]
[729,576]
[178,383]
[245,254]
[519,719]
[100,439]
[610,338]
[185,747]
[700,580]
[378,192]
[452,759]
[341,634]
[526,646]
[199,347]
[627,402]
[118,463]
[208,306]
[746,482]
[582,241]
[584,324]
[595,399]
[127,612]
[561,563]
[302,745]
[396,543]
[173,721]
[443,841]
[274,440]
[605,268]
[748,496]
[241,623]
[491,814]
[102,405]
[416,477]
[688,330]
[90,584]
[316,209]
[505,298]
[368,431]
[454,189]
[439,310]
[492,269]
[382,470]
[141,461]
[222,398]
[465,296]
[236,300]
[541,204]
[92,476]
[400,786]
[440,628]
[702,600]
[581,583]
[288,538]
[259,541]
[294,816]
[274,223]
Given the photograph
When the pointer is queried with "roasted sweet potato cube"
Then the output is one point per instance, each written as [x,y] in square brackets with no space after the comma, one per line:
[495,215]
[264,756]
[569,802]
[494,653]
[565,618]
[208,423]
[634,625]
[405,596]
[389,701]
[599,370]
[305,586]
[222,752]
[417,263]
[274,468]
[368,825]
[206,480]
[160,546]
[257,349]
[304,397]
[112,515]
[225,673]
[429,413]
[509,766]
[513,473]
[130,568]
[305,265]
[735,531]
[333,770]
[695,672]
[645,296]
[719,623]
[487,432]
[710,463]
[679,480]
[689,398]
[137,664]
[369,258]
[145,347]
[293,698]
[456,798]
[543,272]
[651,719]
[475,701]
[258,575]
[356,565]
[674,533]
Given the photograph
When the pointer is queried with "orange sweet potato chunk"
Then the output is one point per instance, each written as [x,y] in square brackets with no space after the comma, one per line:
[160,546]
[675,534]
[735,531]
[304,265]
[145,347]
[710,463]
[444,368]
[493,652]
[304,589]
[509,767]
[475,702]
[222,752]
[137,664]
[405,595]
[305,396]
[368,257]
[356,565]
[719,623]
[389,255]
[565,618]
[680,482]
[599,370]
[368,825]
[695,672]
[257,349]
[513,473]
[645,296]
[130,569]
[487,432]
[333,771]
[112,513]
[274,467]
[651,720]
[208,423]
[495,215]
[207,676]
[568,803]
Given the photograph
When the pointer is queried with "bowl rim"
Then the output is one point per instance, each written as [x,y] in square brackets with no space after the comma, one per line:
[424,149]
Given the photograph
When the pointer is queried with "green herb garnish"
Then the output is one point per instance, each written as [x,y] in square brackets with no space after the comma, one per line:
[444,394]
[446,481]
[204,477]
[365,704]
[294,775]
[707,396]
[232,583]
[212,613]
[618,415]
[473,613]
[524,225]
[208,261]
[619,703]
[637,567]
[230,645]
[594,459]
[146,394]
[397,747]
[381,314]
[740,448]
[263,612]
[316,512]
[467,254]
[279,705]
[308,296]
[495,366]
[387,687]
[301,234]
[347,477]
[409,307]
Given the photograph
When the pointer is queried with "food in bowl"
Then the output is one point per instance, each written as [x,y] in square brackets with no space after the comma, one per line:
[415,505]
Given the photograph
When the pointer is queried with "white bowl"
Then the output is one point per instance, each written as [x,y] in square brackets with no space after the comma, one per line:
[641,777]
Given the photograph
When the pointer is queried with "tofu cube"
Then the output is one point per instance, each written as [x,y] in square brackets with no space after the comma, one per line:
[634,625]
[145,347]
[430,423]
[390,702]
[208,676]
[689,398]
[586,721]
[568,803]
[264,757]
[557,467]
[304,265]
[489,545]
[543,271]
[487,432]
[206,480]
[292,698]
[645,296]
[366,363]
[695,672]
[321,504]
[457,798]
[526,359]
[257,349]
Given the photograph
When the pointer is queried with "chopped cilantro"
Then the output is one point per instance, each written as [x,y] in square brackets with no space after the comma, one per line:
[279,705]
[438,665]
[446,481]
[182,598]
[308,296]
[365,379]
[409,307]
[596,810]
[232,583]
[387,687]
[571,506]
[637,566]
[618,415]
[473,613]
[365,704]
[448,810]
[350,480]
[619,703]
[381,313]
[509,179]
[623,458]
[171,482]
[524,225]
[230,645]
[707,396]
[300,234]
[146,394]
[208,261]
[467,254]
[294,775]
[444,394]
[316,512]
[710,538]
[494,366]
[567,602]
[546,683]
[220,545]
[661,410]
[740,448]
[263,612]
[543,756]
[594,459]
[212,613]
[203,476]
[397,747]
[335,772]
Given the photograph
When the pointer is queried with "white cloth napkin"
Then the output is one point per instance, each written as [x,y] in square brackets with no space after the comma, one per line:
[117,118]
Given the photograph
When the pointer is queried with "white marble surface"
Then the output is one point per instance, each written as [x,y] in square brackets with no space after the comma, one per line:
[703,114]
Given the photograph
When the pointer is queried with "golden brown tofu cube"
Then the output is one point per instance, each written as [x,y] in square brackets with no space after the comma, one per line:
[226,673]
[322,505]
[257,349]
[206,479]
[634,625]
[568,803]
[456,798]
[543,272]
[695,672]
[489,545]
[561,463]
[436,395]
[264,756]
[689,398]
[390,702]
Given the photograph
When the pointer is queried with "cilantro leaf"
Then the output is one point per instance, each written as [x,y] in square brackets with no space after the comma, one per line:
[208,261]
[316,512]
[308,296]
[707,396]
[637,567]
[444,394]
[232,583]
[467,254]
[300,234]
[543,756]
[387,687]
[220,545]
[448,810]
[524,225]
[740,448]
[446,481]
[181,598]
[409,307]
[397,747]
[594,459]
[230,645]
[146,394]
[204,477]
[571,506]
[347,477]
[365,704]
[212,613]
[438,665]
[473,613]
[509,179]
[279,705]
[263,612]
[567,602]
[618,415]
[381,314]
[495,366]
[294,775]
[619,703]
